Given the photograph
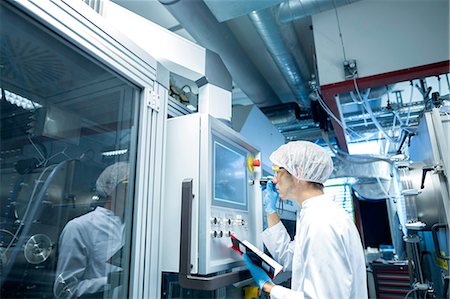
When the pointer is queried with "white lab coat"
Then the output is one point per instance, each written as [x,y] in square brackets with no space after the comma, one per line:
[86,246]
[326,256]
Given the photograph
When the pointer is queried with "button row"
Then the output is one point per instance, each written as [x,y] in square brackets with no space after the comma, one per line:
[228,221]
[220,234]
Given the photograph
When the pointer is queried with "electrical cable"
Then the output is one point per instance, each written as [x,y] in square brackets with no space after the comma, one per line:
[53,156]
[397,115]
[410,103]
[340,31]
[25,215]
[439,84]
[35,147]
[409,293]
[331,114]
[9,233]
[448,82]
[353,97]
[372,116]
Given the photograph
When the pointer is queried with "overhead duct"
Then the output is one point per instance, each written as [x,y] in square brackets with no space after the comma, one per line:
[285,113]
[198,20]
[295,76]
[296,9]
[274,34]
[372,180]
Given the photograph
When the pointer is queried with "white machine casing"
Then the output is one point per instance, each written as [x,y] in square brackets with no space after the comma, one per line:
[190,154]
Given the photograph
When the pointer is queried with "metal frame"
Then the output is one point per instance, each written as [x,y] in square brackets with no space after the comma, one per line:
[79,25]
[186,279]
[330,90]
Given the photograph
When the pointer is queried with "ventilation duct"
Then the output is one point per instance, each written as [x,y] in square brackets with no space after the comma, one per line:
[270,33]
[296,9]
[372,180]
[287,113]
[198,20]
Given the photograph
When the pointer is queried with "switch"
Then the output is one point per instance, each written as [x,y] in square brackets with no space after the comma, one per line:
[215,220]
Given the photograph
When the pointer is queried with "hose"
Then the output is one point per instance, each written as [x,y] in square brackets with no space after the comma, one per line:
[372,116]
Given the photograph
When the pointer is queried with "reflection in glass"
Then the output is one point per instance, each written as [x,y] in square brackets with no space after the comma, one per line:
[64,121]
[229,176]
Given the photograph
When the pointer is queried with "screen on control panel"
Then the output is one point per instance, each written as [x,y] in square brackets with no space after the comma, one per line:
[229,175]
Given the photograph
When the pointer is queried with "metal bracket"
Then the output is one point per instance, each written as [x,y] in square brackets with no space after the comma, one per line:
[153,100]
[410,192]
[400,164]
[416,225]
[350,69]
[411,239]
[187,280]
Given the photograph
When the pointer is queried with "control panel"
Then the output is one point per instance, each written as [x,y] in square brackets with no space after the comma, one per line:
[224,224]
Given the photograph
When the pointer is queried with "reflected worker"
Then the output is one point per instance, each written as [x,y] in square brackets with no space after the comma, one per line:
[88,242]
[326,256]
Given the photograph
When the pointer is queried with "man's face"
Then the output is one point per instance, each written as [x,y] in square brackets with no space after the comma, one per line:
[283,181]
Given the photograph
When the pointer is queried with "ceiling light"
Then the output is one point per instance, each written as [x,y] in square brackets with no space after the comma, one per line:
[19,101]
[115,152]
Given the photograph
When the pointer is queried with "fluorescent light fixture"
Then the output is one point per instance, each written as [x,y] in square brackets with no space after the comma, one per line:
[191,107]
[115,153]
[19,101]
[361,148]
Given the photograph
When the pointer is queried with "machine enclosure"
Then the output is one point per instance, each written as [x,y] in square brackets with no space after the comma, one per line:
[190,154]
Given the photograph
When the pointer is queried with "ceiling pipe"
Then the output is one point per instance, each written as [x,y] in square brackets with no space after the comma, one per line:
[269,31]
[296,9]
[201,24]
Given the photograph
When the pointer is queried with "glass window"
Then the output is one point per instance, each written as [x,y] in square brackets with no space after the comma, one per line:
[66,134]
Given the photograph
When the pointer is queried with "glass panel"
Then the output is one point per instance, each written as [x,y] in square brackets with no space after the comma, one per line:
[230,176]
[66,126]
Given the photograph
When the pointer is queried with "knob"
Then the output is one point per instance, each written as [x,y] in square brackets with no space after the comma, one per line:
[214,234]
[220,234]
[215,220]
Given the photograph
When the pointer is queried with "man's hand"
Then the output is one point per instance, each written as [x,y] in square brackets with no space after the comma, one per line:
[259,275]
[270,197]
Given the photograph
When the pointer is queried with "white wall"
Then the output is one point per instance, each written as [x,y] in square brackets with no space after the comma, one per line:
[258,130]
[382,36]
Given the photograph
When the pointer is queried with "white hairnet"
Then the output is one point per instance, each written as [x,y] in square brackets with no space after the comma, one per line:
[111,177]
[304,160]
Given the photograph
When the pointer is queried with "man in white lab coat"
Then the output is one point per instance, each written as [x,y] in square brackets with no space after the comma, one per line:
[88,243]
[326,257]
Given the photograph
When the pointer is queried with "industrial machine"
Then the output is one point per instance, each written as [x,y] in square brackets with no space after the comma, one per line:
[222,170]
[424,205]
